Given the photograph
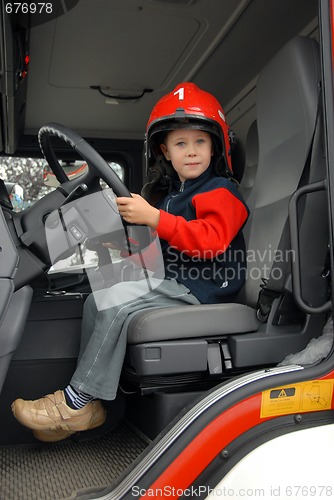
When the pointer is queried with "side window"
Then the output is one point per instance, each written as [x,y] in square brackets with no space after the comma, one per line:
[23,179]
[29,179]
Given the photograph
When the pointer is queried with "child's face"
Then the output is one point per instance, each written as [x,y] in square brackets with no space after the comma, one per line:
[189,151]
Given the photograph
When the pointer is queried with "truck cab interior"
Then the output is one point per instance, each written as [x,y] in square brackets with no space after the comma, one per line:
[78,84]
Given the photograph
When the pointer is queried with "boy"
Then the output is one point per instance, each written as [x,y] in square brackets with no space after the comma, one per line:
[196,208]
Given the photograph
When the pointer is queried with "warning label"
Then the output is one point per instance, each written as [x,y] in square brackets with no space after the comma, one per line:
[314,395]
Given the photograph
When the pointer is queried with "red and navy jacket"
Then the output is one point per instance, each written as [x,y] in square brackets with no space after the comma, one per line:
[200,229]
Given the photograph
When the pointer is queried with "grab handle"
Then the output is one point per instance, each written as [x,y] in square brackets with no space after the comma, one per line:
[294,237]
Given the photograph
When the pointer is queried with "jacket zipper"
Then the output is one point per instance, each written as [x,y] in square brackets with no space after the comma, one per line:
[174,195]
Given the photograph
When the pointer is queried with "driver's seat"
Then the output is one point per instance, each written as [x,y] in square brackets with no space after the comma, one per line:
[216,339]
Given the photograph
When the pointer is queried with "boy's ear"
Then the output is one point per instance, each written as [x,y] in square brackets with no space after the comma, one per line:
[165,151]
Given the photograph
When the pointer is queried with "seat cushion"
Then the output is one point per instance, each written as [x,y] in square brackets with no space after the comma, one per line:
[183,322]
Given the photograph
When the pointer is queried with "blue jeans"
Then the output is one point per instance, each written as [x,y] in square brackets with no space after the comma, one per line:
[104,331]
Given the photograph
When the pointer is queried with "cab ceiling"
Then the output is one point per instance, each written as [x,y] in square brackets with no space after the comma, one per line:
[126,46]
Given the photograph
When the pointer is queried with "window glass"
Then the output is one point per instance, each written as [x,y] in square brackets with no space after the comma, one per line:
[23,178]
[29,179]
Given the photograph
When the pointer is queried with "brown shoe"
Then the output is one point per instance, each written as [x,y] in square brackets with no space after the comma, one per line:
[53,420]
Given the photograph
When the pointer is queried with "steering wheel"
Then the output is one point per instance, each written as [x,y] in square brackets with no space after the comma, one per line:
[85,150]
[136,237]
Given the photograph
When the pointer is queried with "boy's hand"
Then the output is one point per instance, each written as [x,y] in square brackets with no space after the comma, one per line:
[137,210]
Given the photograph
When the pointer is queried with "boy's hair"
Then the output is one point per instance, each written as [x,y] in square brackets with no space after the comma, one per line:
[159,180]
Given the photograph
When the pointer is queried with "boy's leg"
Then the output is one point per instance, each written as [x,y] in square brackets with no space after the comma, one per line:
[100,360]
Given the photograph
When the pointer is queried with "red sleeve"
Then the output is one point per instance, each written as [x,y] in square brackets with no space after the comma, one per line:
[219,217]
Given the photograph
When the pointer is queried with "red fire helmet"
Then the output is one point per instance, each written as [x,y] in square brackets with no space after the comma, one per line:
[188,106]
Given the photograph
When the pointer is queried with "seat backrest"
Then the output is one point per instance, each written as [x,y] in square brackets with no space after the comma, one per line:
[287,109]
[251,161]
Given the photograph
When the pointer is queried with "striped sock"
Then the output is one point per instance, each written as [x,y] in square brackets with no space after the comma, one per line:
[75,399]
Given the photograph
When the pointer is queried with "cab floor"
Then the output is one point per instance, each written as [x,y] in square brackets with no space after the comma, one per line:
[58,471]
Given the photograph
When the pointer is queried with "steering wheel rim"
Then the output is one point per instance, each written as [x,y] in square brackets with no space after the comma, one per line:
[101,168]
[84,150]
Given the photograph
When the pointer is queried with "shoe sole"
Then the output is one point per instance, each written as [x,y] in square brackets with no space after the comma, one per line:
[52,436]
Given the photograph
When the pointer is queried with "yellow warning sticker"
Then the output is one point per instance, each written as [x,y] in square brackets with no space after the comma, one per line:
[313,395]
